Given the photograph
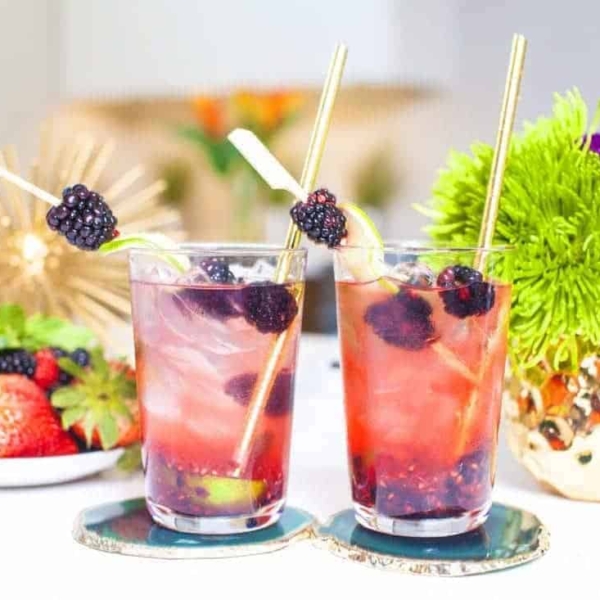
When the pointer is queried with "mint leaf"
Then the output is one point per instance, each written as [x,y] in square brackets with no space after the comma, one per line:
[12,325]
[67,397]
[8,339]
[13,315]
[108,430]
[72,368]
[131,459]
[41,331]
[72,415]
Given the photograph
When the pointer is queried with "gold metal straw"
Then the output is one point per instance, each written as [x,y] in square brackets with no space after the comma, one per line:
[505,128]
[492,203]
[309,176]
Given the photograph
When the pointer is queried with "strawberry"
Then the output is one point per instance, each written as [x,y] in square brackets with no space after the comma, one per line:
[47,371]
[28,425]
[130,431]
[100,407]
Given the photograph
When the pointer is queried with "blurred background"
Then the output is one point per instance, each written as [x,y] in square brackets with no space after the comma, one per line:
[167,79]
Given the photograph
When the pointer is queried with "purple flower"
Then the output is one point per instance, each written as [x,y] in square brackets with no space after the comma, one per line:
[594,143]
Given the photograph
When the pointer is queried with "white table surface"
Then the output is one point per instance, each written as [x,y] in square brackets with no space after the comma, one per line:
[38,557]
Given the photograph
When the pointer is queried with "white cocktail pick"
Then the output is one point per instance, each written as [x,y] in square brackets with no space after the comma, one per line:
[264,163]
[29,187]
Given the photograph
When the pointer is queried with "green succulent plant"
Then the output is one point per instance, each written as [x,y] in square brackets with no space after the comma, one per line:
[550,211]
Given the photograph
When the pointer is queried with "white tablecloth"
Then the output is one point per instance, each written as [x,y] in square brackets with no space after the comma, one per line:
[38,557]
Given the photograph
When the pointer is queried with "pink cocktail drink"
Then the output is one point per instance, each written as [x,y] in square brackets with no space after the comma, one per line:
[202,342]
[423,357]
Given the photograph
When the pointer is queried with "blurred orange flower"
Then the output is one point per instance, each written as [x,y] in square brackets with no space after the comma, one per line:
[263,112]
[210,113]
[268,111]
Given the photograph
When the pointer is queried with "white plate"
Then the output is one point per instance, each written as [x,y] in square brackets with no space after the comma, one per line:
[18,472]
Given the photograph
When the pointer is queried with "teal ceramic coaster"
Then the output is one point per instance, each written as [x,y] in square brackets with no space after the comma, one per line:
[509,537]
[126,528]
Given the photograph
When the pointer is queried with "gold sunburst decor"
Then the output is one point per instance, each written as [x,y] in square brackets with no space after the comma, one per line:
[38,269]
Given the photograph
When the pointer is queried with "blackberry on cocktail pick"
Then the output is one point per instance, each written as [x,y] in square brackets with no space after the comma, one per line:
[269,307]
[83,218]
[320,219]
[466,293]
[403,320]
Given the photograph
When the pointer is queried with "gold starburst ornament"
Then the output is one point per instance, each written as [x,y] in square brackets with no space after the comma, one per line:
[38,268]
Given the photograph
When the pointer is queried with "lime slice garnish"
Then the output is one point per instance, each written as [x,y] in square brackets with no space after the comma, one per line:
[367,262]
[153,241]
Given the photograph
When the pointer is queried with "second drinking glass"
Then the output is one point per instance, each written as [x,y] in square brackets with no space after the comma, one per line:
[208,320]
[424,338]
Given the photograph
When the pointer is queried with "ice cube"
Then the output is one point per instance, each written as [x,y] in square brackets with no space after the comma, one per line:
[194,276]
[261,270]
[150,270]
[413,273]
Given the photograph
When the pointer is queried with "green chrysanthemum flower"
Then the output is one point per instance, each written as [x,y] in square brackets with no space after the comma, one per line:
[549,210]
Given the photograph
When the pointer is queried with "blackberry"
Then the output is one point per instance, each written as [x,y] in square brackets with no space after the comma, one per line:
[217,304]
[63,377]
[269,307]
[217,270]
[83,218]
[81,357]
[474,468]
[240,388]
[404,320]
[18,362]
[58,352]
[458,275]
[320,219]
[467,294]
[364,481]
[469,481]
[321,196]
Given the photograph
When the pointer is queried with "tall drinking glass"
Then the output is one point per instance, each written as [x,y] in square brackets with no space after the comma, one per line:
[423,339]
[208,319]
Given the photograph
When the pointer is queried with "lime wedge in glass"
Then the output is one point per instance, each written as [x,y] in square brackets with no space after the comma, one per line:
[152,241]
[214,492]
[367,262]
